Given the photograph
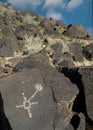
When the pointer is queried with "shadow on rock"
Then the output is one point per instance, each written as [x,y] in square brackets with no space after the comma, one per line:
[4,123]
[80,102]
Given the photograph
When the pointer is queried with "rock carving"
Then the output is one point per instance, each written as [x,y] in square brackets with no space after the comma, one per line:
[27,104]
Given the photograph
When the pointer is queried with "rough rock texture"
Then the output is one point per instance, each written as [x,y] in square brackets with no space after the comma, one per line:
[47,25]
[61,57]
[29,90]
[76,55]
[87,75]
[40,99]
[88,51]
[76,30]
[8,46]
[83,78]
[41,84]
[61,24]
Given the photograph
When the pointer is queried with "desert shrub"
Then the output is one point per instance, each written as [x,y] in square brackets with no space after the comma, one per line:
[1,13]
[18,22]
[65,48]
[34,44]
[27,19]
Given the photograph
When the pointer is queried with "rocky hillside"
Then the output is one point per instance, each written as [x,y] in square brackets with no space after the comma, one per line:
[46,73]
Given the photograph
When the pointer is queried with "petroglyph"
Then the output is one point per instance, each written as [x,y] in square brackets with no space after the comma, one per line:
[27,104]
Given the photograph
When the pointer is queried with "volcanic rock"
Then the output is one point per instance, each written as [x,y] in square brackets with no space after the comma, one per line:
[87,79]
[39,88]
[46,23]
[35,96]
[8,46]
[88,52]
[61,24]
[77,31]
[76,50]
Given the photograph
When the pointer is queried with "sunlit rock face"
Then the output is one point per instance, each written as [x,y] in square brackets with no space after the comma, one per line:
[45,73]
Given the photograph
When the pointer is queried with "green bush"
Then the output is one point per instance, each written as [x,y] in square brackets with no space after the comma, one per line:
[65,48]
[27,19]
[34,44]
[1,13]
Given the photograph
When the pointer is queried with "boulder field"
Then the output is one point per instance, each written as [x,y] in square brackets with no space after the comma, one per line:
[46,73]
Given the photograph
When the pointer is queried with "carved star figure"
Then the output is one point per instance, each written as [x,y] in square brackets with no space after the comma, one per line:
[27,104]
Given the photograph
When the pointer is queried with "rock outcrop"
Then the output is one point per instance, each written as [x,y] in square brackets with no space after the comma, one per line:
[83,78]
[77,31]
[46,70]
[37,97]
[88,51]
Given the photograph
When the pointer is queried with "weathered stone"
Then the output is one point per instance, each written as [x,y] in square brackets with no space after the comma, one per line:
[19,29]
[8,46]
[32,29]
[61,24]
[64,94]
[53,103]
[29,27]
[38,60]
[76,51]
[77,31]
[33,94]
[61,58]
[88,52]
[57,47]
[19,32]
[87,79]
[6,31]
[57,54]
[64,90]
[28,102]
[47,25]
[20,36]
[66,63]
[22,30]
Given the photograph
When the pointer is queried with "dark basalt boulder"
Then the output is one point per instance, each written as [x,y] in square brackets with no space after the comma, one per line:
[38,99]
[38,60]
[46,24]
[26,107]
[61,24]
[76,31]
[82,77]
[57,47]
[19,32]
[61,59]
[19,29]
[76,50]
[6,31]
[49,27]
[88,52]
[41,85]
[29,27]
[66,63]
[8,46]
[22,30]
[87,80]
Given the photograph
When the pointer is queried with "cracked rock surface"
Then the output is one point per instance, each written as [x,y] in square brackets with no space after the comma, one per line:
[46,73]
[52,105]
